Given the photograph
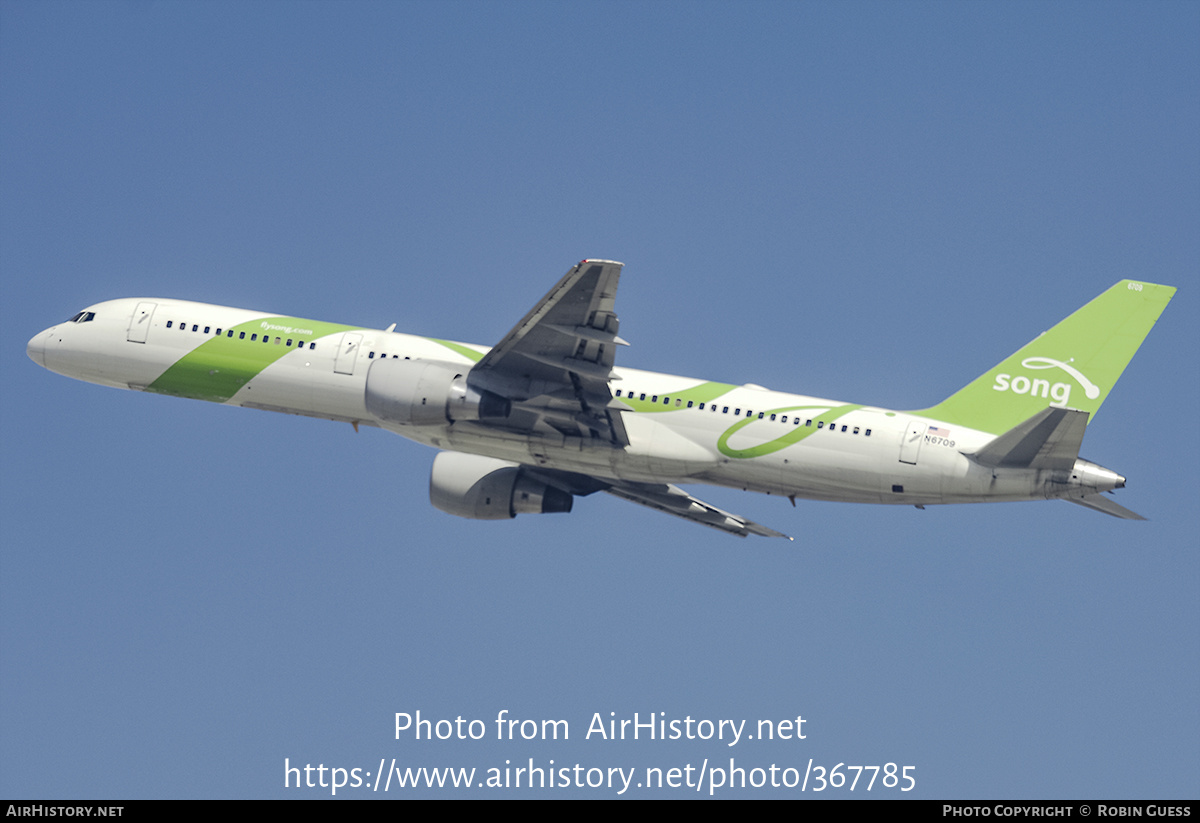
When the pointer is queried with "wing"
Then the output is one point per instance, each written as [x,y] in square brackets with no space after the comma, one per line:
[663,497]
[555,365]
[1100,503]
[666,497]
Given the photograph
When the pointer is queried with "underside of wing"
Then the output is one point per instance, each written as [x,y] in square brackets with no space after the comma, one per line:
[556,363]
[671,499]
[1100,503]
[663,497]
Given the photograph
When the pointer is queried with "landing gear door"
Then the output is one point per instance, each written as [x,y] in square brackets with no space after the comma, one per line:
[910,446]
[347,353]
[139,323]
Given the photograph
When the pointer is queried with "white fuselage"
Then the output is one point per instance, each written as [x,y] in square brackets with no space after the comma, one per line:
[737,436]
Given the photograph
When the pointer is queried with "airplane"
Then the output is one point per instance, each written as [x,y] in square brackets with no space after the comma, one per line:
[546,416]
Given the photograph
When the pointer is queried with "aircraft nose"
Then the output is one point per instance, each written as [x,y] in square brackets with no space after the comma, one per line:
[36,349]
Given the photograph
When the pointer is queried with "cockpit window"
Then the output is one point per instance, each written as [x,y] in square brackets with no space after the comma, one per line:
[83,317]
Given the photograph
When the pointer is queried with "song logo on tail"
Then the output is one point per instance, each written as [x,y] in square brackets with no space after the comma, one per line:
[1038,387]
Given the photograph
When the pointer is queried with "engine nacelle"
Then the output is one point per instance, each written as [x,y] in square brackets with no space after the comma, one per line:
[428,393]
[484,488]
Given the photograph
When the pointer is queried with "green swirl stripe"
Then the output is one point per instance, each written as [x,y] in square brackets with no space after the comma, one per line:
[794,434]
[458,348]
[217,368]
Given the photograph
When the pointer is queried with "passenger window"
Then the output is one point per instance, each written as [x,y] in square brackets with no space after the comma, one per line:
[725,410]
[241,335]
[856,429]
[867,433]
[229,333]
[218,332]
[820,424]
[195,327]
[253,338]
[207,329]
[618,392]
[168,324]
[642,396]
[843,428]
[690,405]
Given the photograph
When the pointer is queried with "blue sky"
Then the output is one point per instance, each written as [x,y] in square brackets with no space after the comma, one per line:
[866,201]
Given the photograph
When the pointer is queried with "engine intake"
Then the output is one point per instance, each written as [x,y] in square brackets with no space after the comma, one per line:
[484,488]
[428,393]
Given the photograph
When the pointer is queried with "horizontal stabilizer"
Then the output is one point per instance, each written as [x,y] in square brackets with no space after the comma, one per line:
[1048,440]
[1100,503]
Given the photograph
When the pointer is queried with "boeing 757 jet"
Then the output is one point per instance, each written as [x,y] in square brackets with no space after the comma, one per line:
[546,415]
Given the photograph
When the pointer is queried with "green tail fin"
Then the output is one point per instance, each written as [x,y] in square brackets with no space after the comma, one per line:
[1073,365]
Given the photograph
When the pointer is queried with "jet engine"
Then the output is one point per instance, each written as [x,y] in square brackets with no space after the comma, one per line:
[428,393]
[484,488]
